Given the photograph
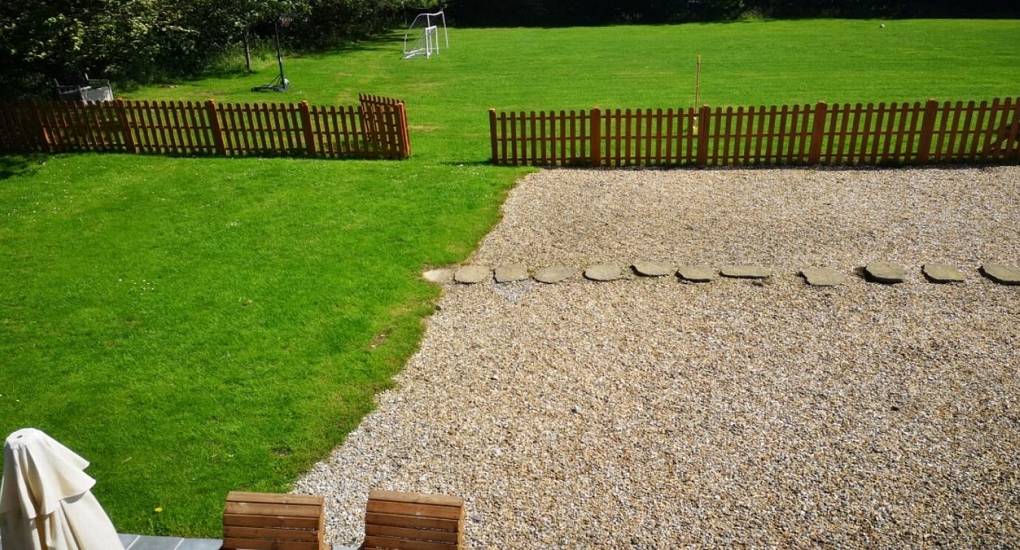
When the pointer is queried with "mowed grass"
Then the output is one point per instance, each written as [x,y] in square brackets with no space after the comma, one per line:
[194,326]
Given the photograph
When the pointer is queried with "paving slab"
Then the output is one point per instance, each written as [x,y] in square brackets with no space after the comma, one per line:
[554,274]
[696,273]
[745,272]
[885,272]
[200,544]
[440,276]
[126,539]
[156,543]
[472,274]
[1002,274]
[652,269]
[822,276]
[511,273]
[603,272]
[941,273]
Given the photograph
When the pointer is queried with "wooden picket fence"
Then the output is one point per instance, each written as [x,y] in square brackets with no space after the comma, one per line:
[389,129]
[820,134]
[376,128]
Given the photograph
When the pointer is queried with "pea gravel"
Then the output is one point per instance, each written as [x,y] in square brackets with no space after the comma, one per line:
[647,413]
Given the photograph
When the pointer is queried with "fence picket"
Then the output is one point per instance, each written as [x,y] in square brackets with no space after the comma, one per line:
[541,122]
[658,136]
[818,133]
[790,135]
[179,141]
[997,119]
[965,133]
[1012,146]
[977,133]
[950,153]
[757,137]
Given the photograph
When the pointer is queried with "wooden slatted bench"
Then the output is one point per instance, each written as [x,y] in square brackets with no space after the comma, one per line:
[262,521]
[413,521]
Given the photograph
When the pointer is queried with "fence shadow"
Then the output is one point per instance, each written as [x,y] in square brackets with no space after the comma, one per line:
[16,165]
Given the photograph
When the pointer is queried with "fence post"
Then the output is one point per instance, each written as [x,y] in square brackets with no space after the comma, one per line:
[596,137]
[703,116]
[927,130]
[403,132]
[306,125]
[214,123]
[492,135]
[125,126]
[818,133]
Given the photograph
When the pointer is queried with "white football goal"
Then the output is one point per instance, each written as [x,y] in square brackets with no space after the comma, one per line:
[422,37]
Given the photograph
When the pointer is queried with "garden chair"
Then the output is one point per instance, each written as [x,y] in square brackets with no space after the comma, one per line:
[262,521]
[413,521]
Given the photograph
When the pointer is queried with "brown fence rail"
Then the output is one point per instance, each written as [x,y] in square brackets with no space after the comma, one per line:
[839,134]
[376,128]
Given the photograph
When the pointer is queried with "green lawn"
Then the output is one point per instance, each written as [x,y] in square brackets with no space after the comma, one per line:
[199,325]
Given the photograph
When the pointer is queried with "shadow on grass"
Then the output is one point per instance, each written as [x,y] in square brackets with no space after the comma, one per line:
[16,165]
[265,62]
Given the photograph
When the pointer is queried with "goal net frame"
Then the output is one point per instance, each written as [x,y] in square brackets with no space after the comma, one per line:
[427,43]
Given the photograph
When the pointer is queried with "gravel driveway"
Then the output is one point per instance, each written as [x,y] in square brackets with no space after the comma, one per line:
[650,413]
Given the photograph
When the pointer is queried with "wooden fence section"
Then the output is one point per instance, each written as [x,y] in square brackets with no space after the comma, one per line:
[374,129]
[387,119]
[839,134]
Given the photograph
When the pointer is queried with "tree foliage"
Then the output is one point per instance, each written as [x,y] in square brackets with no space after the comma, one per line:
[144,40]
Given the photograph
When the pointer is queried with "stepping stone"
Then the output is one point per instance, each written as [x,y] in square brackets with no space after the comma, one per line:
[603,272]
[651,269]
[942,273]
[554,274]
[511,273]
[822,276]
[472,274]
[885,272]
[745,272]
[1002,274]
[438,276]
[696,273]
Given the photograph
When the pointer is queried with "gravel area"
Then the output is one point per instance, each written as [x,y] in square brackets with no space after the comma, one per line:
[786,219]
[651,413]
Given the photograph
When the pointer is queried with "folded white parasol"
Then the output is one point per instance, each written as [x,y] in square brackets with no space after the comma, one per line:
[46,501]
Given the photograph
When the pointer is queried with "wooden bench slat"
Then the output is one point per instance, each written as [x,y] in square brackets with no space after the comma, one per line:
[251,508]
[270,533]
[411,533]
[308,500]
[392,507]
[237,520]
[248,544]
[438,500]
[401,544]
[258,521]
[400,520]
[412,521]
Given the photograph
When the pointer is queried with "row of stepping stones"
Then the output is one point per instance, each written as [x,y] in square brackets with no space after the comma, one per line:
[880,272]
